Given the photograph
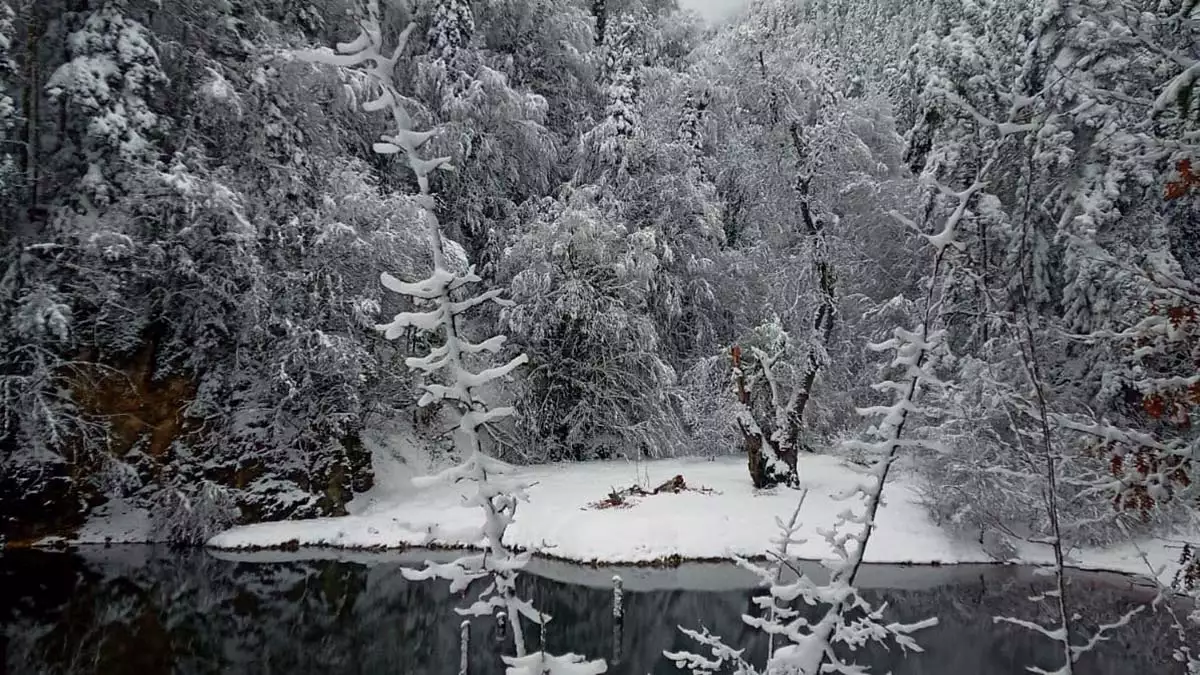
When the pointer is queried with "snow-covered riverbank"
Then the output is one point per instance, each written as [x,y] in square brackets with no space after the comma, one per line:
[719,516]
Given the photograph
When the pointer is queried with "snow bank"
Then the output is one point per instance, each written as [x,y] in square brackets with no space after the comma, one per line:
[728,518]
[118,521]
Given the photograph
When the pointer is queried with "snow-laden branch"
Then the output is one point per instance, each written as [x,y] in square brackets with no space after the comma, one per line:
[367,53]
[1185,653]
[497,491]
[723,658]
[1174,90]
[1043,451]
[846,619]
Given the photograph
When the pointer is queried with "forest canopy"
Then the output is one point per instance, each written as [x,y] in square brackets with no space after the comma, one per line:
[700,230]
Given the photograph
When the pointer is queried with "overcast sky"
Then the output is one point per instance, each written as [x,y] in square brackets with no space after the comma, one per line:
[712,9]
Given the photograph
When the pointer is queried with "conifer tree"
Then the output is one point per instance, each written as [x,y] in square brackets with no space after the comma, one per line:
[105,89]
[452,26]
[497,495]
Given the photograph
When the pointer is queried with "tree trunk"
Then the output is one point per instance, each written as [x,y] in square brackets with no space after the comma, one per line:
[30,98]
[600,13]
[754,460]
[754,438]
[823,318]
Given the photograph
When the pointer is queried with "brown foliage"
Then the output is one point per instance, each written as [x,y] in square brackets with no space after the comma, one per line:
[1187,181]
[136,405]
[1168,412]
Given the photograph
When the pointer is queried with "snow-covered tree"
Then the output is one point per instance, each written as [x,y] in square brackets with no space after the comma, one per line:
[105,90]
[451,362]
[9,146]
[581,286]
[451,29]
[794,148]
[496,132]
[772,445]
[545,46]
[843,617]
[219,304]
[605,147]
[1042,262]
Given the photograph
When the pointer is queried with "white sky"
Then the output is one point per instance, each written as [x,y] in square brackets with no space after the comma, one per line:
[712,9]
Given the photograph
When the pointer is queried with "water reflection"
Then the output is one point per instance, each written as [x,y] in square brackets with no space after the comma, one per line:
[143,611]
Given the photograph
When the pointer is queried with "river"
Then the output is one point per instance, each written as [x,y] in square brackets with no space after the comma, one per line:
[143,610]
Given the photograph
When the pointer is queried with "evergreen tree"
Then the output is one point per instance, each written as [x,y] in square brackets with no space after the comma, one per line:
[105,89]
[453,24]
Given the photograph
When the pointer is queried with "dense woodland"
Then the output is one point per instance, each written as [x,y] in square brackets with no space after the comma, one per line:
[700,231]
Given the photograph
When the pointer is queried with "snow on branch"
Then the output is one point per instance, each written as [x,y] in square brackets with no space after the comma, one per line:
[722,656]
[367,53]
[1059,633]
[844,618]
[497,492]
[1185,653]
[1174,91]
[811,644]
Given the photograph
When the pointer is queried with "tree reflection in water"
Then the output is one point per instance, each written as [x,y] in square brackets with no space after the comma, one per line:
[146,610]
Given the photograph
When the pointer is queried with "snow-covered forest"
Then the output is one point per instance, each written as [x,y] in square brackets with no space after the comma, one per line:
[268,260]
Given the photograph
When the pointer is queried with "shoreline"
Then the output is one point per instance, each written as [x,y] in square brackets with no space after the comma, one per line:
[677,574]
[717,518]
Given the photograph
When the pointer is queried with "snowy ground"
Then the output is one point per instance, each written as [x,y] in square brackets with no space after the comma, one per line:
[731,518]
[118,521]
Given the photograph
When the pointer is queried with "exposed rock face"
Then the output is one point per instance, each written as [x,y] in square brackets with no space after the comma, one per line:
[144,411]
[141,419]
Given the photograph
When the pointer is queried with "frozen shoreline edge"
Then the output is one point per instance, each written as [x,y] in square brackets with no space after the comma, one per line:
[711,574]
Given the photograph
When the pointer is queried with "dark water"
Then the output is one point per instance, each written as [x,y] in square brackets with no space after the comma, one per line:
[142,611]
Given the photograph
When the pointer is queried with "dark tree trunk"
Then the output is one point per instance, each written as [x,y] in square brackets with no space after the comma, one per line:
[762,475]
[31,114]
[823,318]
[600,13]
[754,460]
